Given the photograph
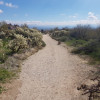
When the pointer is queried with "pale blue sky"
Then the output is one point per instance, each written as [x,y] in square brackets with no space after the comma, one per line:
[50,12]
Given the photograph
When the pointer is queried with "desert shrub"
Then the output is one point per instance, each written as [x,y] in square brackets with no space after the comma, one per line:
[5,75]
[85,39]
[4,52]
[92,48]
[21,31]
[15,39]
[43,44]
[80,32]
[36,39]
[18,44]
[59,33]
[2,34]
[85,32]
[62,38]
[76,43]
[3,57]
[4,27]
[1,43]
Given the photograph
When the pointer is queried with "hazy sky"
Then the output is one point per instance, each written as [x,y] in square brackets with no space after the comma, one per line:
[50,12]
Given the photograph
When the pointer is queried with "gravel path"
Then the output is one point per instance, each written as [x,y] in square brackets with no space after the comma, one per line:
[52,74]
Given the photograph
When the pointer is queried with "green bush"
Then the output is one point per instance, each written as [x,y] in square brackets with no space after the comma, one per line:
[43,44]
[5,75]
[76,43]
[62,39]
[84,38]
[4,52]
[91,48]
[59,33]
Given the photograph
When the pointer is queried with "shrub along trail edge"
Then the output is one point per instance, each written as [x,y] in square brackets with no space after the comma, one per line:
[52,74]
[14,63]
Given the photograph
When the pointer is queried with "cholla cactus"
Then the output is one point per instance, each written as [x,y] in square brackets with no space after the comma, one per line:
[21,31]
[37,39]
[18,44]
[24,38]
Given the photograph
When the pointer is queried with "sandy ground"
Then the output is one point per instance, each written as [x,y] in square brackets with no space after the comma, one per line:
[12,90]
[52,74]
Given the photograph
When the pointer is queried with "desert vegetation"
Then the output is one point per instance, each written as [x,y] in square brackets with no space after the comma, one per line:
[14,41]
[84,39]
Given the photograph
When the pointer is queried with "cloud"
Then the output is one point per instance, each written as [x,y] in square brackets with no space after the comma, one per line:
[11,5]
[25,22]
[72,16]
[91,16]
[95,21]
[63,14]
[1,11]
[1,2]
[65,23]
[8,4]
[26,15]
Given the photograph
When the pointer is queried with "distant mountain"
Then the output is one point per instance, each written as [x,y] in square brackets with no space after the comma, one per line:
[42,27]
[52,27]
[48,27]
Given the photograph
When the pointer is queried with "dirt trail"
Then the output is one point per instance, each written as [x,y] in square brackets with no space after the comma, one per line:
[52,74]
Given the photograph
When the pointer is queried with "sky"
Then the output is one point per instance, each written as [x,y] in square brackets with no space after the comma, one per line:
[50,12]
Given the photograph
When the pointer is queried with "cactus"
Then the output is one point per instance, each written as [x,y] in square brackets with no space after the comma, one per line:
[18,44]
